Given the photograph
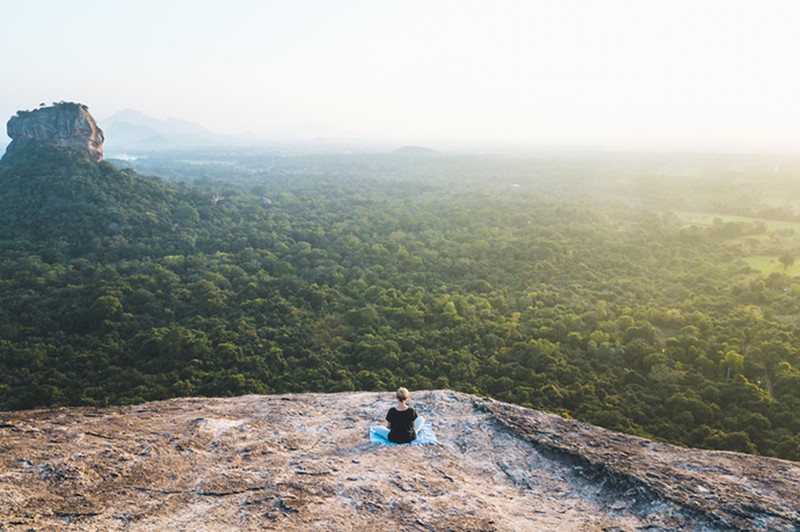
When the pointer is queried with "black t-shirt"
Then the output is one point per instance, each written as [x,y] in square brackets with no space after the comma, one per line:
[402,421]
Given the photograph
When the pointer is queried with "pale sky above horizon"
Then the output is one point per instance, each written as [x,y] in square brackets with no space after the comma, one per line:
[605,72]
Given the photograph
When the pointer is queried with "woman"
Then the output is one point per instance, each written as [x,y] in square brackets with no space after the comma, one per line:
[402,421]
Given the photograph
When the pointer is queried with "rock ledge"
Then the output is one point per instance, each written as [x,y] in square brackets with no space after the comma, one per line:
[303,462]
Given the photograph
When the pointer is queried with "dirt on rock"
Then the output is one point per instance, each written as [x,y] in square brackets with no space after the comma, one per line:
[304,462]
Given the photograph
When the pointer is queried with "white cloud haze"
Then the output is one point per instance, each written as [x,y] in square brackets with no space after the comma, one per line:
[500,71]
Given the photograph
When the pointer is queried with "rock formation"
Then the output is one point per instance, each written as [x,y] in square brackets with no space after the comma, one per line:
[63,124]
[303,462]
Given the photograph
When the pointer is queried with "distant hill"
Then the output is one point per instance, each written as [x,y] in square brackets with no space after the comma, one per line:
[130,129]
[415,151]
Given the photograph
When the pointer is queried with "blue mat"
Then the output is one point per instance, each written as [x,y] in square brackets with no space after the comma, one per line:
[424,437]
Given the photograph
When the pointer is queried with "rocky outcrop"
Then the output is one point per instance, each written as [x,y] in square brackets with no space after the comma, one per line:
[63,124]
[303,462]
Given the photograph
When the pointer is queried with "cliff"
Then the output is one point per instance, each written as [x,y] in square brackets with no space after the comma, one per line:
[303,462]
[63,124]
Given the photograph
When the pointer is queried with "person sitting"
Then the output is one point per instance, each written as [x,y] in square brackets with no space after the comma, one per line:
[402,421]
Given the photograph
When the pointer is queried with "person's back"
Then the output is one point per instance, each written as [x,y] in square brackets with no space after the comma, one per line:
[402,421]
[401,424]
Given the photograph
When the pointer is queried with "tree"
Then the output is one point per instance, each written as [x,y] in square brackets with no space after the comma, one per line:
[787,260]
[732,363]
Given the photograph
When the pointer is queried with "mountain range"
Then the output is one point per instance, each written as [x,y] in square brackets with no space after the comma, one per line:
[130,129]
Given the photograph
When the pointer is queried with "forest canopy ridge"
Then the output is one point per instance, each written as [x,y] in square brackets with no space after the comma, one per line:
[642,302]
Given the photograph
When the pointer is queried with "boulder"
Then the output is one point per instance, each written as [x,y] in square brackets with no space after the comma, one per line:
[63,124]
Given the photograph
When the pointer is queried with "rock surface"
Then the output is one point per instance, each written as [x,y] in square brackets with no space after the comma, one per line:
[63,124]
[303,462]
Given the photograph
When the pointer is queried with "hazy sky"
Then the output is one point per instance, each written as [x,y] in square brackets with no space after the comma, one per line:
[524,71]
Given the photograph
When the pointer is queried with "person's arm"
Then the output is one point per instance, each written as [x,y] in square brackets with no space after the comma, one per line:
[389,419]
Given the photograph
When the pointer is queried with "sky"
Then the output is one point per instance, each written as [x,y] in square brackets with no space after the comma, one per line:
[525,72]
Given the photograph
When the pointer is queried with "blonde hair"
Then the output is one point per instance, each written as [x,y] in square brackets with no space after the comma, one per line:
[402,394]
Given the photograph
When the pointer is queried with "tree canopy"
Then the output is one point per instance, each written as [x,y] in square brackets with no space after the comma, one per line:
[524,280]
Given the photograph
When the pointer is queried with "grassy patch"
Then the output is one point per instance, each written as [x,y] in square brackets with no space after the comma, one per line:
[768,264]
[706,219]
[761,250]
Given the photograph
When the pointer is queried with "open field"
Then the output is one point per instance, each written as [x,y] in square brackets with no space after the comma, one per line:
[761,245]
[706,219]
[768,264]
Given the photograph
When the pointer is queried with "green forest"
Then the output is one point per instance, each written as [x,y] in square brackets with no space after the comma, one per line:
[654,294]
